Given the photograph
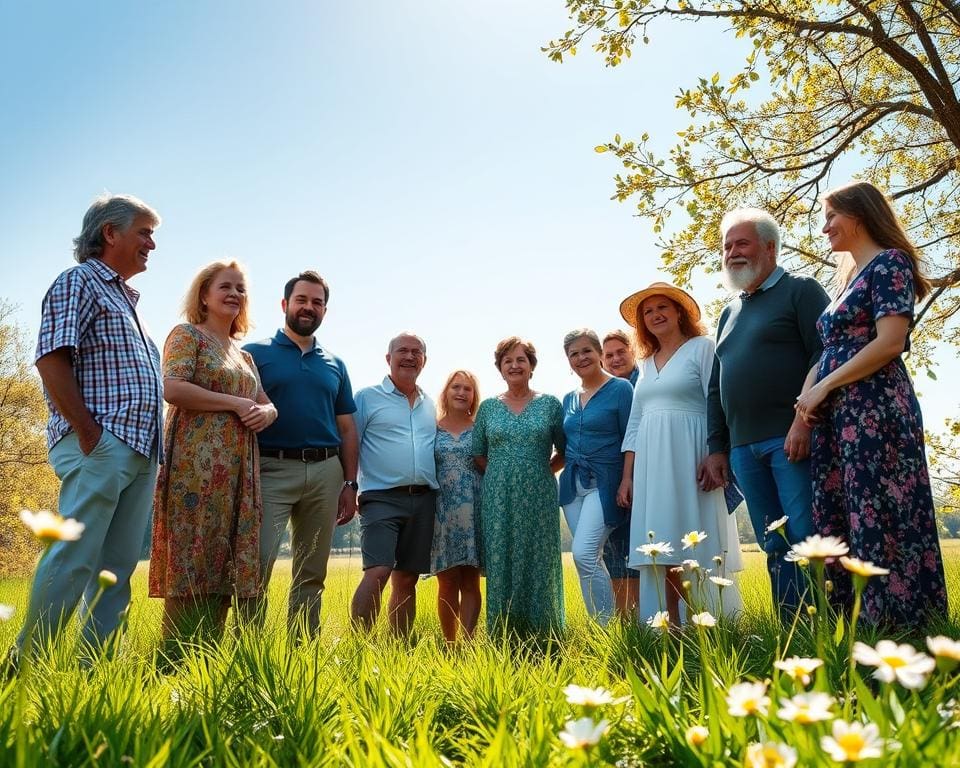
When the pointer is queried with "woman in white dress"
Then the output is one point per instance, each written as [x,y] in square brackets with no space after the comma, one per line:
[665,442]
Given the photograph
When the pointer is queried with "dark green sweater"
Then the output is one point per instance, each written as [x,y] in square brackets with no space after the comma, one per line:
[766,344]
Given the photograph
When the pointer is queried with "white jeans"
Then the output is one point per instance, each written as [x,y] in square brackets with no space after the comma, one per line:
[585,519]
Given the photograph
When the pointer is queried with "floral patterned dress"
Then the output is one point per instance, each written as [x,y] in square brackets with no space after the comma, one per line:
[520,519]
[870,482]
[456,530]
[207,507]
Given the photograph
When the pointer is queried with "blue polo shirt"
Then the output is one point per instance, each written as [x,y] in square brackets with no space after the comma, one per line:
[396,441]
[310,389]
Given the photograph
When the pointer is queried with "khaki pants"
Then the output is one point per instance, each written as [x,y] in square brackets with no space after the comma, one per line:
[306,494]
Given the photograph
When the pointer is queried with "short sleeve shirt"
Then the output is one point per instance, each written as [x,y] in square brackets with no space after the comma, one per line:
[91,310]
[309,389]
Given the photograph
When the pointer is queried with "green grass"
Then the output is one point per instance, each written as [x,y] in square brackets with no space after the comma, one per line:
[348,699]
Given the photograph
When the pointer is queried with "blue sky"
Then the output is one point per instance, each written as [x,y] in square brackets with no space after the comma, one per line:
[426,158]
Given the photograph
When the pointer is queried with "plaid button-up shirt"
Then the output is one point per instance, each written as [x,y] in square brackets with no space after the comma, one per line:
[92,310]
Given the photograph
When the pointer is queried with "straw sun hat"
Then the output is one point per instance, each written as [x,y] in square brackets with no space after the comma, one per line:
[630,305]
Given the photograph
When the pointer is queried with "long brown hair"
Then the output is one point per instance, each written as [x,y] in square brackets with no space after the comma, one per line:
[647,344]
[442,400]
[869,206]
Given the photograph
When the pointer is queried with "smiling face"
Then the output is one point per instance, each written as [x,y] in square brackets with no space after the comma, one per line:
[660,316]
[226,295]
[747,261]
[459,396]
[305,308]
[515,365]
[406,359]
[840,228]
[618,358]
[584,358]
[127,251]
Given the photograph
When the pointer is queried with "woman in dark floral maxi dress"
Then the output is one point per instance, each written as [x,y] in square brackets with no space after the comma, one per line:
[871,487]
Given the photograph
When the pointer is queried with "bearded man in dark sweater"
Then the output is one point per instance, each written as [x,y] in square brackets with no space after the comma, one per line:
[767,341]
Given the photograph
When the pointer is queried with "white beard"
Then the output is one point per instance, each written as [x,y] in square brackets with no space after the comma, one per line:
[740,278]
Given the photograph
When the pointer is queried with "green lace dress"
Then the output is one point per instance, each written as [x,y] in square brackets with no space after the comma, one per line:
[520,517]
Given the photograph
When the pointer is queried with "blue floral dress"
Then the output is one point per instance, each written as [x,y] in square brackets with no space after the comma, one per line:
[521,514]
[456,531]
[870,482]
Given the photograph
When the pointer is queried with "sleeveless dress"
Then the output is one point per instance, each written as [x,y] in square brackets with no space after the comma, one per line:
[207,507]
[456,530]
[870,481]
[521,514]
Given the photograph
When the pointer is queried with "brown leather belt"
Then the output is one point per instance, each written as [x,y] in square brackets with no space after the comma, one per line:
[301,454]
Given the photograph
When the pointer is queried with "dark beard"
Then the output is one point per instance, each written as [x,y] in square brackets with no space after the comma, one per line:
[303,326]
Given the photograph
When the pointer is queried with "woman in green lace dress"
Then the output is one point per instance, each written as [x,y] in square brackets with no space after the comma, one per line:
[518,444]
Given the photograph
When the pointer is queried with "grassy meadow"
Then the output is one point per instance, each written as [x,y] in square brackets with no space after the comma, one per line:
[348,699]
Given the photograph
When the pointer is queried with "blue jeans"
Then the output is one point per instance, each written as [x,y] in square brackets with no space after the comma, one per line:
[110,491]
[585,520]
[774,487]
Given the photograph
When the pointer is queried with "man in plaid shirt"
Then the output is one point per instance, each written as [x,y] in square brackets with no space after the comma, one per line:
[102,380]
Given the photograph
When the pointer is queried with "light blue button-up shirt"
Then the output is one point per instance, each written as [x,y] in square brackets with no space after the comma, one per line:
[396,440]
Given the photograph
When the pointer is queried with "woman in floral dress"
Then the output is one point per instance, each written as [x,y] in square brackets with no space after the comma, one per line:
[455,557]
[871,487]
[518,443]
[207,507]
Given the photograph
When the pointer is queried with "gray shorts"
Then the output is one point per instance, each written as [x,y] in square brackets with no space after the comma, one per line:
[396,528]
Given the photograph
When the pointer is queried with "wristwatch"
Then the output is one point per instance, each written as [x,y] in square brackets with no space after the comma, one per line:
[351,484]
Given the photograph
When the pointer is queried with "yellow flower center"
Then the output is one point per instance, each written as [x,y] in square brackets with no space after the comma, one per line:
[852,743]
[894,661]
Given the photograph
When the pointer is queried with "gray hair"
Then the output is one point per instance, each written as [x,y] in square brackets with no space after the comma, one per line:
[581,333]
[116,210]
[764,224]
[412,335]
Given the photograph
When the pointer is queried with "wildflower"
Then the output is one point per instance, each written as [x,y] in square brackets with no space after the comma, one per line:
[717,560]
[745,699]
[852,742]
[791,556]
[806,708]
[589,697]
[776,525]
[696,735]
[693,538]
[799,668]
[946,650]
[895,662]
[817,547]
[6,612]
[48,527]
[771,755]
[691,565]
[656,549]
[703,620]
[583,733]
[860,568]
[677,569]
[721,582]
[107,579]
[660,620]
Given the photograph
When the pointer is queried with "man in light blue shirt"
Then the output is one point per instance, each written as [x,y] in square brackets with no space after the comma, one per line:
[397,427]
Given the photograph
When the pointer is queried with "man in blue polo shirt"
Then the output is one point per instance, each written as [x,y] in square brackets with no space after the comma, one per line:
[397,426]
[308,456]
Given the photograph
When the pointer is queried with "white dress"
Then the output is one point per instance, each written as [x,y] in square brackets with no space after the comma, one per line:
[668,433]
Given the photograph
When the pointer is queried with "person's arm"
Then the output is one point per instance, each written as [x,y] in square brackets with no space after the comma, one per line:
[889,344]
[56,372]
[349,453]
[714,470]
[625,491]
[558,436]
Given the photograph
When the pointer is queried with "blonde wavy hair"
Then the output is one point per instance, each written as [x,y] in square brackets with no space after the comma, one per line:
[442,400]
[194,310]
